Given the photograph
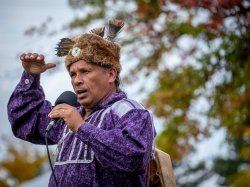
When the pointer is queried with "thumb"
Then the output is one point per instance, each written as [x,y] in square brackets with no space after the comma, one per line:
[49,66]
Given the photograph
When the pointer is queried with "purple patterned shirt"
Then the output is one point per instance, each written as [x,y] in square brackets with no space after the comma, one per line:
[111,148]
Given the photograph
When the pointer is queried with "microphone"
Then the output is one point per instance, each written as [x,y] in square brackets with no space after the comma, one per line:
[66,97]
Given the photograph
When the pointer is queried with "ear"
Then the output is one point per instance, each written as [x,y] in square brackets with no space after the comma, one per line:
[112,74]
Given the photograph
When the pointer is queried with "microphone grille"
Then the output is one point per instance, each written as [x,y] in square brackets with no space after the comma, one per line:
[67,97]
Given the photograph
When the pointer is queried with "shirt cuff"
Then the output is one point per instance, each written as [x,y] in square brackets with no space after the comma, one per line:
[29,80]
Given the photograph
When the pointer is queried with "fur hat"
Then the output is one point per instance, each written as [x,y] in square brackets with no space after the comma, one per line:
[93,47]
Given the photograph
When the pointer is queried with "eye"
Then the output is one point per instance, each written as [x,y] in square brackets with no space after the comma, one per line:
[72,74]
[85,71]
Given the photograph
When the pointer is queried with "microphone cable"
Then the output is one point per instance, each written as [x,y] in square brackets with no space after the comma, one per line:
[50,163]
[66,97]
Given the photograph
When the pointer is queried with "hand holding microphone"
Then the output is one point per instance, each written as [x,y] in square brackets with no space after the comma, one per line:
[65,108]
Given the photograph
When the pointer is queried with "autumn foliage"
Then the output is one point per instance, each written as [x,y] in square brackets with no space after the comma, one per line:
[205,88]
[20,163]
[210,40]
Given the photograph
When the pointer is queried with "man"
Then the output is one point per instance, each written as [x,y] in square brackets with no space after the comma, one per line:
[107,141]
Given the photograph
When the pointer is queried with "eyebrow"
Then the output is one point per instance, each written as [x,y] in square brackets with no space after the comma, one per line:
[82,68]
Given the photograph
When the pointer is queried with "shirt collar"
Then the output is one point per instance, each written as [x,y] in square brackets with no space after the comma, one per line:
[109,101]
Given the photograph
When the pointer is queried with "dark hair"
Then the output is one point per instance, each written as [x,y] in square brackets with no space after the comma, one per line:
[117,79]
[117,83]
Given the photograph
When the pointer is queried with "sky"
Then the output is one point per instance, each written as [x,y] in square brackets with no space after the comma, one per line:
[16,16]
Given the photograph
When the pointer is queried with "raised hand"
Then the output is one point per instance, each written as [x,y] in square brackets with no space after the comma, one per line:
[34,63]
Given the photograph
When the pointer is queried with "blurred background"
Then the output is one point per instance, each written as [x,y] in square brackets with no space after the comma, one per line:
[188,61]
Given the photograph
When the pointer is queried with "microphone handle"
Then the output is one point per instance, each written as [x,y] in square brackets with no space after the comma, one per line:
[51,124]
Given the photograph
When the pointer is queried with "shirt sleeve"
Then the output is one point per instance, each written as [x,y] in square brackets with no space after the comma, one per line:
[28,111]
[125,148]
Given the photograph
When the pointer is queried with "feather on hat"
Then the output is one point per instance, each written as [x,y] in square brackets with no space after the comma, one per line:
[93,47]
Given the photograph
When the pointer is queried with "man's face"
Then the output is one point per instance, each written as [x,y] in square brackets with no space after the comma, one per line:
[91,82]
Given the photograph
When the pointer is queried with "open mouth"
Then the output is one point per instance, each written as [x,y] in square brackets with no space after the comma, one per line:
[81,93]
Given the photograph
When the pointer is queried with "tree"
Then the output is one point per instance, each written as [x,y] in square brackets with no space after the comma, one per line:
[213,66]
[20,163]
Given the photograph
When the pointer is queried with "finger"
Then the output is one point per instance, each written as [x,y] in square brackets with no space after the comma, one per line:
[60,107]
[33,56]
[27,56]
[40,58]
[22,56]
[54,114]
[57,113]
[63,106]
